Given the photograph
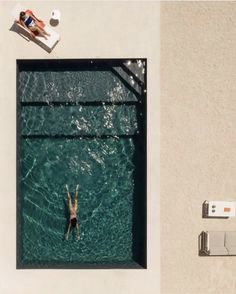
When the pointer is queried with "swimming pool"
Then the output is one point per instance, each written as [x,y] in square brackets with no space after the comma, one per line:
[81,122]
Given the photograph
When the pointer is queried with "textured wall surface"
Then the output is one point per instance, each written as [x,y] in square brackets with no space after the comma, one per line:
[198,140]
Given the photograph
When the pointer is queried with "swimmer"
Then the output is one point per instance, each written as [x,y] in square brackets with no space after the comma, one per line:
[73,212]
[30,22]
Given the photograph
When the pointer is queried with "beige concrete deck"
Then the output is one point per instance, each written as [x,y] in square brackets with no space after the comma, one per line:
[88,30]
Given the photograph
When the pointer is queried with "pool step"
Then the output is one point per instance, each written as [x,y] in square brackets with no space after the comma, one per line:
[80,121]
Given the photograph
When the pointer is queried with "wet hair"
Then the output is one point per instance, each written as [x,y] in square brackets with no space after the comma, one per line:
[22,14]
[73,222]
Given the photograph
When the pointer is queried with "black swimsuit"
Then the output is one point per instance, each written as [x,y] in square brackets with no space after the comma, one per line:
[73,220]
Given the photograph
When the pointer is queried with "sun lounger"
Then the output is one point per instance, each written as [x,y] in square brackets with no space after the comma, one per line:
[48,44]
[218,243]
[230,242]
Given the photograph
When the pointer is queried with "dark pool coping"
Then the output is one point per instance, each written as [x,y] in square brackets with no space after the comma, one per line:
[84,266]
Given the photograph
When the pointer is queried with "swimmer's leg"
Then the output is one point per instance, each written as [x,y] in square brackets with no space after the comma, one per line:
[68,231]
[40,32]
[78,235]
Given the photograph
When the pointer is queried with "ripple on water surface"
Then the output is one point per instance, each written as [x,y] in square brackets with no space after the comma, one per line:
[72,86]
[105,174]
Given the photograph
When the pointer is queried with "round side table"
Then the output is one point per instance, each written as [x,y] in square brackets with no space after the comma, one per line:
[55,17]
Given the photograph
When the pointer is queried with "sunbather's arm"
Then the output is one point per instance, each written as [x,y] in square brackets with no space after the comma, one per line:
[34,18]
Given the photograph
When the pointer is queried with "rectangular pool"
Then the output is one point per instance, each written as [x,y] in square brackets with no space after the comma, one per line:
[81,122]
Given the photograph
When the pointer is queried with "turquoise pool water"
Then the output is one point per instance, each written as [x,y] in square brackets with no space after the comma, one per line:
[79,127]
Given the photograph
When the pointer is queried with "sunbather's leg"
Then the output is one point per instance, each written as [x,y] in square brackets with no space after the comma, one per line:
[39,31]
[36,29]
[43,30]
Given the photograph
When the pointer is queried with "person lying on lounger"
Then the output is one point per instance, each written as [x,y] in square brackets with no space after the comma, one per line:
[30,22]
[73,212]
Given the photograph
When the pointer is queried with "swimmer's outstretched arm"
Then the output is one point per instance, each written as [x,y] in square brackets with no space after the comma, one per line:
[67,190]
[77,192]
[68,231]
[76,198]
[69,197]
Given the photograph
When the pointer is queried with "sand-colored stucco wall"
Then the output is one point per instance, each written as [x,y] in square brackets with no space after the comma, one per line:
[198,141]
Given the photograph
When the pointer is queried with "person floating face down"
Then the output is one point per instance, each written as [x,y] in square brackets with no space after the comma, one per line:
[73,212]
[30,22]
